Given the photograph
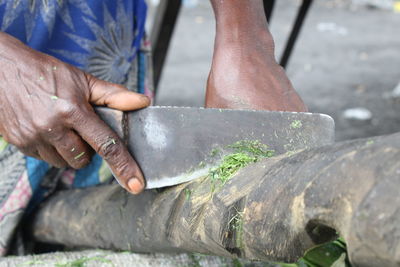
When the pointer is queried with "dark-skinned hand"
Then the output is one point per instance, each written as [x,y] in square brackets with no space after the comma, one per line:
[46,111]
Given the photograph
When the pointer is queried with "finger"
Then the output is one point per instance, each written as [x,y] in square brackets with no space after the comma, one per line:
[51,156]
[115,96]
[73,150]
[109,146]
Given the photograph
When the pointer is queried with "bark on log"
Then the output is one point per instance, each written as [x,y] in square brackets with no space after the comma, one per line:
[272,210]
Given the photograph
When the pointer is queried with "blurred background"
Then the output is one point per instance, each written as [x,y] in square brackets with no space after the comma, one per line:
[345,63]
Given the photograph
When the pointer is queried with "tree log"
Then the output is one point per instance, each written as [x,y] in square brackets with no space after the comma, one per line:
[272,210]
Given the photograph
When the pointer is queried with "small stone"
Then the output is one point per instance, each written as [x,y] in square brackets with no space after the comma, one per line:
[308,67]
[358,114]
[396,92]
[393,95]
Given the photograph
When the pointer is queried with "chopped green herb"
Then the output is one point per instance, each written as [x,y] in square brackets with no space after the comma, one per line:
[188,193]
[236,224]
[54,97]
[3,144]
[81,262]
[229,166]
[370,142]
[255,148]
[195,260]
[79,155]
[214,152]
[296,124]
[244,153]
[32,262]
[111,141]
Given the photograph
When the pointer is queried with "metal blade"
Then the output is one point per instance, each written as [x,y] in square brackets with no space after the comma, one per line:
[172,145]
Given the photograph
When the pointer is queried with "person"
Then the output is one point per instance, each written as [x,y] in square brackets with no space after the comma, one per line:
[58,59]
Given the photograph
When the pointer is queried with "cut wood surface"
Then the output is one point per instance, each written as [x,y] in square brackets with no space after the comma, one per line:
[272,210]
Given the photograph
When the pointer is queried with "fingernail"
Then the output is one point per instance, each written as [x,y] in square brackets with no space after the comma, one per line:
[135,185]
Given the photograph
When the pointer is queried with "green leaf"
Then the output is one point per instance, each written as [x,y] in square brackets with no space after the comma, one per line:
[3,144]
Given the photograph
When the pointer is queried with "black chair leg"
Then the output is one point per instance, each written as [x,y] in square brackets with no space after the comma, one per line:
[301,15]
[161,35]
[268,8]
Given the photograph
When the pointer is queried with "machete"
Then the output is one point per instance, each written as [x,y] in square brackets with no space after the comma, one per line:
[173,145]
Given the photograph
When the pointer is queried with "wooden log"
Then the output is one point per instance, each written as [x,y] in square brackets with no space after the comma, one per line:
[272,210]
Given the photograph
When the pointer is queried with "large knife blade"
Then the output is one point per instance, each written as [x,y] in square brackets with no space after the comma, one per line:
[172,145]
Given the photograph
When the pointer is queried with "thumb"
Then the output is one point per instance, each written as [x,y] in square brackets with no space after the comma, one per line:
[115,96]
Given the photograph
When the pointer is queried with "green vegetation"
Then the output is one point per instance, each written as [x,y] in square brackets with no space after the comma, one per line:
[188,193]
[236,225]
[246,152]
[214,152]
[296,124]
[236,263]
[229,166]
[54,97]
[3,144]
[243,153]
[330,254]
[81,262]
[195,258]
[32,262]
[370,142]
[79,155]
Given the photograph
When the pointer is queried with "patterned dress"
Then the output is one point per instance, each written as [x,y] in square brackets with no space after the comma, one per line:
[102,37]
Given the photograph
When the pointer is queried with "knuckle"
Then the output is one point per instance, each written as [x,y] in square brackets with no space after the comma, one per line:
[42,126]
[69,110]
[110,150]
[114,154]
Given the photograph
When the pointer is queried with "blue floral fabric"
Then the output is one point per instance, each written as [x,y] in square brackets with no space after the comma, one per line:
[102,37]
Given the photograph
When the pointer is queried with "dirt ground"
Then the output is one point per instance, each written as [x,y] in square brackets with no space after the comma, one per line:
[347,57]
